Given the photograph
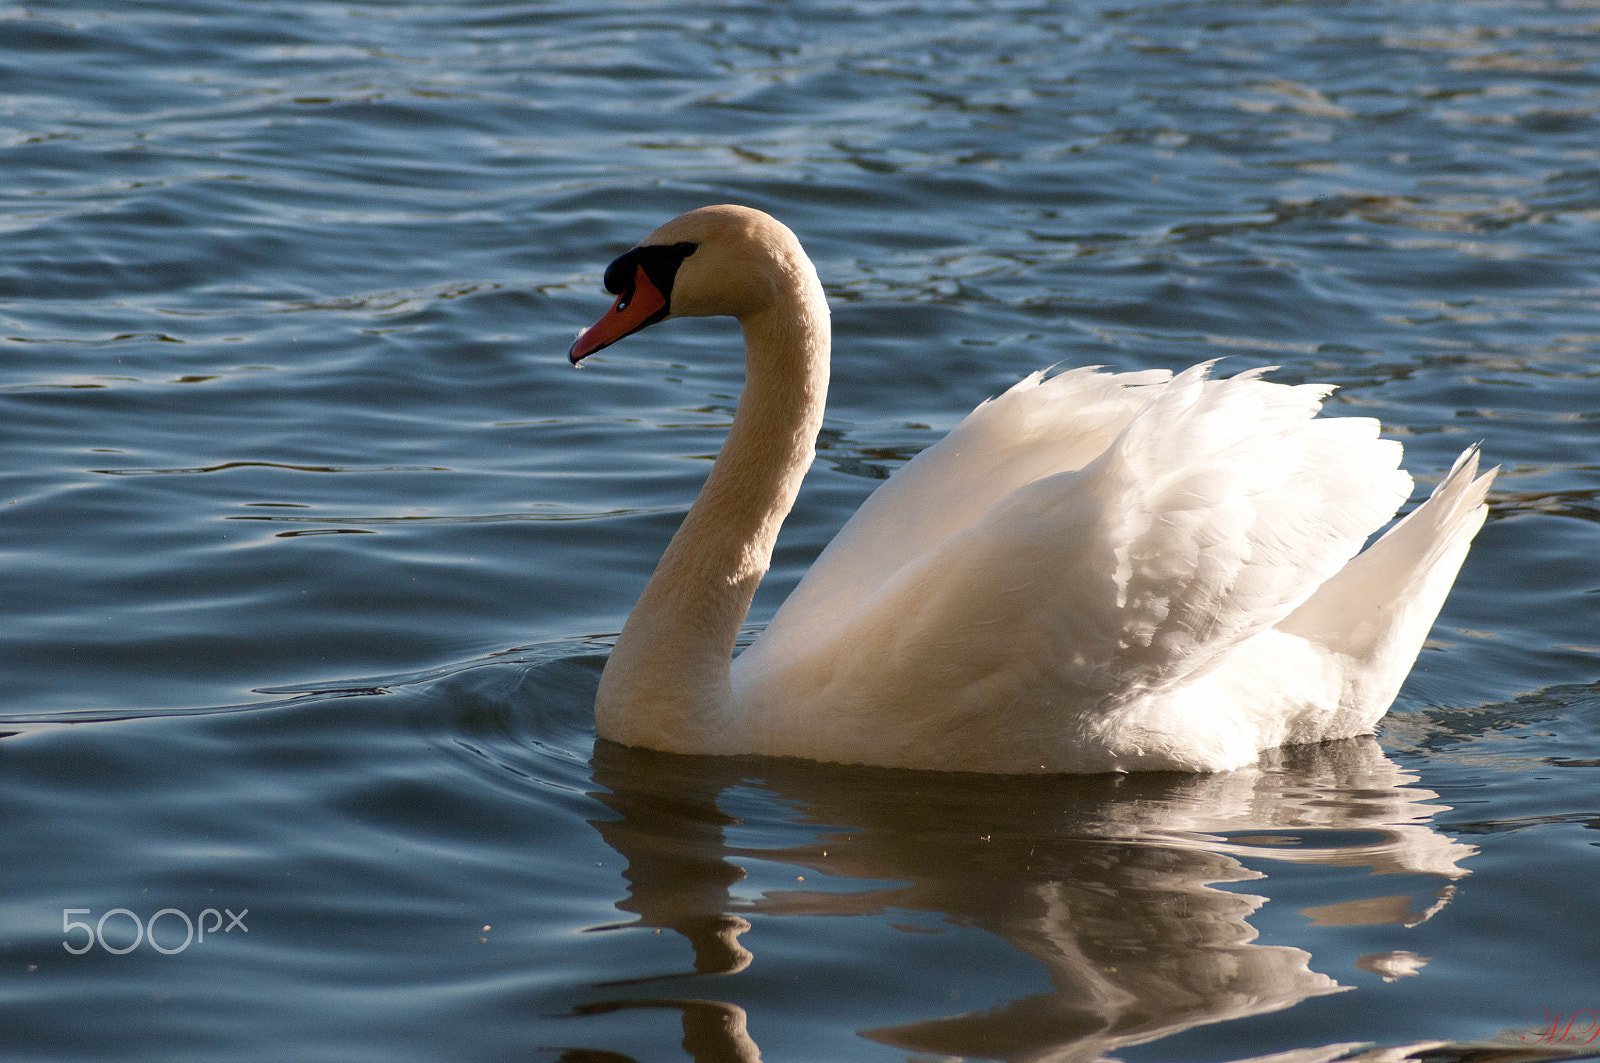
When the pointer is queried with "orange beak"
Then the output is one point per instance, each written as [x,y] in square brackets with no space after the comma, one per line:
[640,304]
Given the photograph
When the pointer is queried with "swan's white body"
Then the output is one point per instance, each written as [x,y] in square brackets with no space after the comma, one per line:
[1092,572]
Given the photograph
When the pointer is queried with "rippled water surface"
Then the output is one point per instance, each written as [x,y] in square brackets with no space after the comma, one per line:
[314,544]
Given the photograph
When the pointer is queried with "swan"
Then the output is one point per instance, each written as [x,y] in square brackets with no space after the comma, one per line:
[1093,572]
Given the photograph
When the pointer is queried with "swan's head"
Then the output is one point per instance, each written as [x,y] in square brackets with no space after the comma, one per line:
[724,260]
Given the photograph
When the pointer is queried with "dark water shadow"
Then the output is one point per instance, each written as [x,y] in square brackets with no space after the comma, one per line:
[1123,889]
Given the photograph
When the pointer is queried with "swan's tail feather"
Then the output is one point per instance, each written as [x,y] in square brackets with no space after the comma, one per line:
[1381,605]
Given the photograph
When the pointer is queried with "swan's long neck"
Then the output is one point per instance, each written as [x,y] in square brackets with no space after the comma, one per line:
[666,685]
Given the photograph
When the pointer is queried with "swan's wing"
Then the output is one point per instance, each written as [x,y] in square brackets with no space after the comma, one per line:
[1225,505]
[1382,604]
[1037,428]
[1219,508]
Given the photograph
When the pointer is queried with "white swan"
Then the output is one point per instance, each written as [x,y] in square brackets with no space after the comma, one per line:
[1092,572]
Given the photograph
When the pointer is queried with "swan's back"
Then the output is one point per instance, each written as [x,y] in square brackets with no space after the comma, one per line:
[1088,574]
[1037,428]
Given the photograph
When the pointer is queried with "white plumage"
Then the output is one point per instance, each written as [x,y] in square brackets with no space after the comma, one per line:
[1092,572]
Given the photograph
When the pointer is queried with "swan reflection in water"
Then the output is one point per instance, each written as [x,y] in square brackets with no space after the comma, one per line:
[1108,883]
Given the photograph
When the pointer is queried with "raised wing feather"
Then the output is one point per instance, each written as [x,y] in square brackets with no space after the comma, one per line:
[1210,515]
[1037,428]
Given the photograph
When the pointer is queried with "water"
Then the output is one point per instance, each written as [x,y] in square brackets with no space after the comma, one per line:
[313,543]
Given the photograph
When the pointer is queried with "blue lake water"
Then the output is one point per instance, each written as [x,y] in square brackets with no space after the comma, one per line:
[313,543]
